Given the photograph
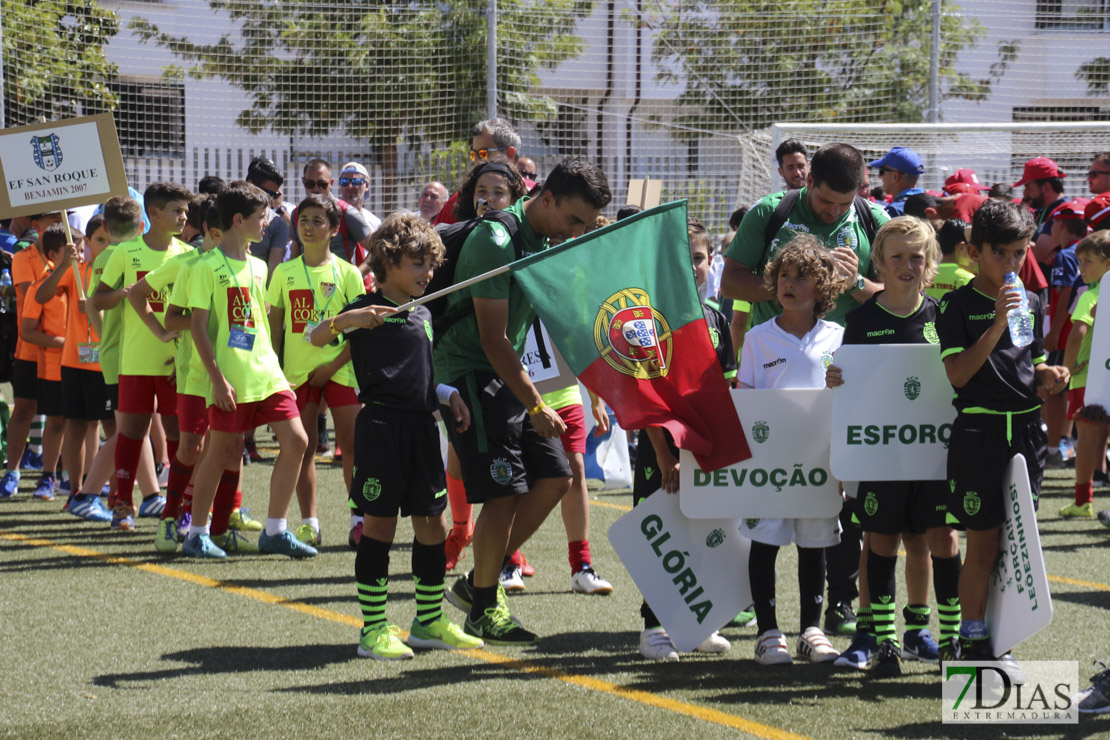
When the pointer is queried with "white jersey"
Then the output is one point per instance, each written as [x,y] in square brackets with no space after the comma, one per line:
[773,358]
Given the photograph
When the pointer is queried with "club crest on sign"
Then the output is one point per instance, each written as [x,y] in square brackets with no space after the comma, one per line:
[716,538]
[912,387]
[632,337]
[761,430]
[47,151]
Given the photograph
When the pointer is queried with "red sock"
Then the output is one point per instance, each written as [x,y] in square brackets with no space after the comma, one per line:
[579,555]
[171,449]
[187,500]
[127,456]
[1084,493]
[175,487]
[238,498]
[516,558]
[461,511]
[224,501]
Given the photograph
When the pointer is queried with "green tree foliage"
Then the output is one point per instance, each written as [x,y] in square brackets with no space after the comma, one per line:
[1096,74]
[53,56]
[749,63]
[377,71]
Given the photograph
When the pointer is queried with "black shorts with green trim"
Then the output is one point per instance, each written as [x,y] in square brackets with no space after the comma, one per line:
[646,478]
[894,507]
[398,465]
[979,452]
[500,454]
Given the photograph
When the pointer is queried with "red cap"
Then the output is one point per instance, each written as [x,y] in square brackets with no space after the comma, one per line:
[963,181]
[1070,211]
[1098,210]
[1039,168]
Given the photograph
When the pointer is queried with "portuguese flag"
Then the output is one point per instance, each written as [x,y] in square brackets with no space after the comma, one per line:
[621,305]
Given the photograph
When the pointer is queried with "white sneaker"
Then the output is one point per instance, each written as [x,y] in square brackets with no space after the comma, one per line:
[814,646]
[1012,669]
[713,644]
[770,649]
[586,581]
[511,578]
[655,644]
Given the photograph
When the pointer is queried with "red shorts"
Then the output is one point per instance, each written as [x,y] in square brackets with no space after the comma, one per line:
[192,414]
[1075,404]
[336,394]
[281,406]
[138,392]
[574,438]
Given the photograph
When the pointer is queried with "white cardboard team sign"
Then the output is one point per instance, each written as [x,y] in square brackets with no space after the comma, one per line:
[1018,603]
[64,164]
[546,368]
[892,418]
[692,572]
[787,475]
[1098,367]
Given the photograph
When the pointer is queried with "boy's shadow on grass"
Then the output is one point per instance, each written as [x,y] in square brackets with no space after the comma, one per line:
[1087,727]
[235,659]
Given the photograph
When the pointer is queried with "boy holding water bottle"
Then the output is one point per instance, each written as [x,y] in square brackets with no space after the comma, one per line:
[995,362]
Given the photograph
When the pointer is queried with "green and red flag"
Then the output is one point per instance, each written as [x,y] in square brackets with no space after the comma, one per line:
[621,305]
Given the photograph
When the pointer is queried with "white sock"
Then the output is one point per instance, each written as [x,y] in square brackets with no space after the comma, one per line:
[312,522]
[356,520]
[196,530]
[274,526]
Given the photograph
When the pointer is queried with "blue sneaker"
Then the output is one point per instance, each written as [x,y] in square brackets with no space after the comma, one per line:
[92,509]
[9,484]
[123,518]
[858,654]
[152,508]
[45,490]
[284,543]
[920,645]
[202,546]
[64,487]
[30,460]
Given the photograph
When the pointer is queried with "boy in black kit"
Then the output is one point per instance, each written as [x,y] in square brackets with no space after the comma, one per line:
[398,464]
[996,398]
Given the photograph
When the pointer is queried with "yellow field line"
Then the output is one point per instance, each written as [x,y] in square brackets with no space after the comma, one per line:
[643,697]
[1077,582]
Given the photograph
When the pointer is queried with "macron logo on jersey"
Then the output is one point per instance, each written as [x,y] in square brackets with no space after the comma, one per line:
[239,307]
[773,363]
[302,309]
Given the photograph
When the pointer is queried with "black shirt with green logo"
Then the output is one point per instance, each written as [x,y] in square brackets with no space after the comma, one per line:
[1006,381]
[870,323]
[721,339]
[393,363]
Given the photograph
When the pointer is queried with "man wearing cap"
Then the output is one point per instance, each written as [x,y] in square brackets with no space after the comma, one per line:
[432,197]
[963,181]
[354,182]
[1098,177]
[1044,190]
[899,170]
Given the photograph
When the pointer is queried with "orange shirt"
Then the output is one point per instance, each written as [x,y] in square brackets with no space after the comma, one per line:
[28,266]
[78,329]
[51,319]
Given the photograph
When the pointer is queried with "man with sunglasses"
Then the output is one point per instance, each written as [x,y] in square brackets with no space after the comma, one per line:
[352,240]
[1098,177]
[354,183]
[899,170]
[492,140]
[264,174]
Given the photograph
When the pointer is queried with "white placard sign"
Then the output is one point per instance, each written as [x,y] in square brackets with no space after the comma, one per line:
[692,572]
[546,368]
[1018,603]
[892,418]
[62,164]
[787,475]
[1098,367]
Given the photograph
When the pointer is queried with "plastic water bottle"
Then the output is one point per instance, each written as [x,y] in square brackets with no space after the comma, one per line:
[5,282]
[1020,319]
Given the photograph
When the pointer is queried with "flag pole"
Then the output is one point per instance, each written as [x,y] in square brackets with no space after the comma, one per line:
[451,289]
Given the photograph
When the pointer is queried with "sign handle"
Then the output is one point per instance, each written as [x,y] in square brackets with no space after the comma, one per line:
[76,272]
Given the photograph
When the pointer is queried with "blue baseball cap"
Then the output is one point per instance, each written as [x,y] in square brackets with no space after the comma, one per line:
[902,159]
